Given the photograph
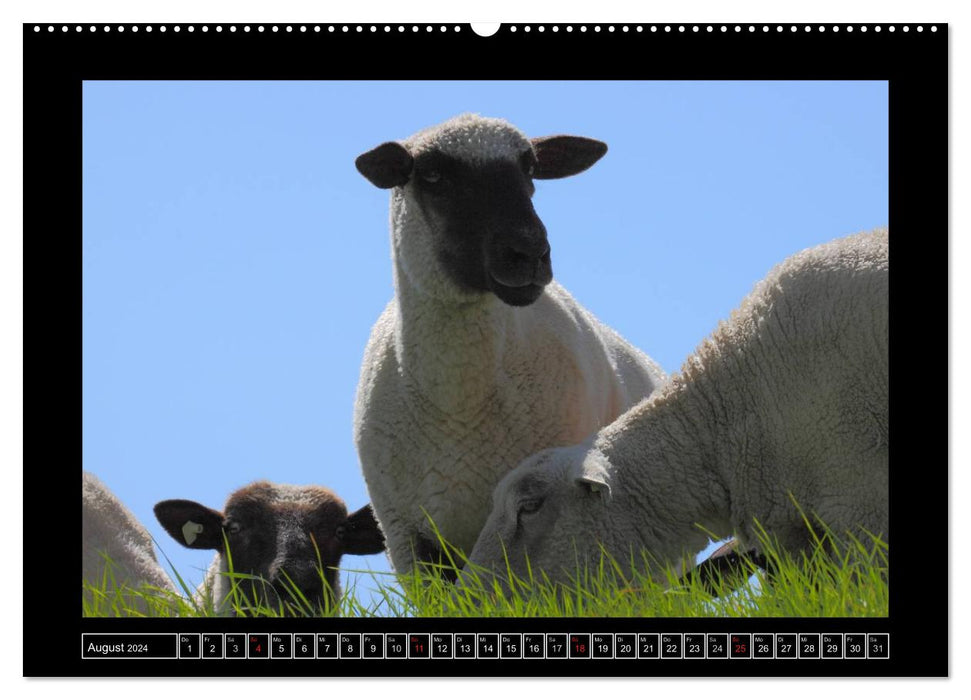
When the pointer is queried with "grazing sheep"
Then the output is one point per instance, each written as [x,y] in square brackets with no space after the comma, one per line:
[112,537]
[286,535]
[789,396]
[479,359]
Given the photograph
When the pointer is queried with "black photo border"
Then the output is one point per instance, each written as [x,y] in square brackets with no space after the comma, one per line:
[913,58]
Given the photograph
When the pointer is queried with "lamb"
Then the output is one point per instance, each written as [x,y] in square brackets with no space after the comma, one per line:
[785,403]
[115,546]
[480,359]
[291,537]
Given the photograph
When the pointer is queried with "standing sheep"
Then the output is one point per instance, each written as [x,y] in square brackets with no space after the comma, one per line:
[290,537]
[789,396]
[112,538]
[479,359]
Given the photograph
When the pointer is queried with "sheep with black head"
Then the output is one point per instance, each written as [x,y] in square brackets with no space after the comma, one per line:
[480,359]
[291,538]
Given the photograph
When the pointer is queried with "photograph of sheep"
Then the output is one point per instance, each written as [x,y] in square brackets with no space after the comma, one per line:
[509,348]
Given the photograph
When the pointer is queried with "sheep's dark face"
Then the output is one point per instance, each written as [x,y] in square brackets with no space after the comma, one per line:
[288,541]
[489,236]
[292,538]
[471,181]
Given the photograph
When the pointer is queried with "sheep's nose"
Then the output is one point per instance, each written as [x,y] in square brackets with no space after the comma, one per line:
[303,576]
[528,254]
[527,240]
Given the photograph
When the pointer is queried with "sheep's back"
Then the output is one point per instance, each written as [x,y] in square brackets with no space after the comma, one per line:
[809,355]
[109,529]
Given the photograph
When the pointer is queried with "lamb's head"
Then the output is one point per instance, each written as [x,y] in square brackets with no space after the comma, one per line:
[288,536]
[553,509]
[463,223]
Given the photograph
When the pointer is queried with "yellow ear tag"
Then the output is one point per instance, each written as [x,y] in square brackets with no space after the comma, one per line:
[190,531]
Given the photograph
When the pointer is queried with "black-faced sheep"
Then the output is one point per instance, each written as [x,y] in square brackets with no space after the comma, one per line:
[786,403]
[291,537]
[480,359]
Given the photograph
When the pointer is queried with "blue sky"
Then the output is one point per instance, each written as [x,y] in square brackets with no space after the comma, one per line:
[234,260]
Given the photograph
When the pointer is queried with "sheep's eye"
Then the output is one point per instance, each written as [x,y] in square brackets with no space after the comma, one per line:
[341,531]
[530,506]
[526,508]
[431,176]
[233,527]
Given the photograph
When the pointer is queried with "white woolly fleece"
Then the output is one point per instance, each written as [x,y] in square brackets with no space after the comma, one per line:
[109,528]
[471,138]
[789,396]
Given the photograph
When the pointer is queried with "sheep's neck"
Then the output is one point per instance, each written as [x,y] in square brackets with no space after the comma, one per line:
[452,353]
[664,459]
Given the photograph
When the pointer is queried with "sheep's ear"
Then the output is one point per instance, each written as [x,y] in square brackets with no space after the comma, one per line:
[593,474]
[191,524]
[562,156]
[361,533]
[388,165]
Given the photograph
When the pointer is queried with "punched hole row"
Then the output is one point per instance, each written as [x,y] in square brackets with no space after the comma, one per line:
[414,28]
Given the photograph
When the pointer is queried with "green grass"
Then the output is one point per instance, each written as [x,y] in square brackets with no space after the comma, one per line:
[844,578]
[105,597]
